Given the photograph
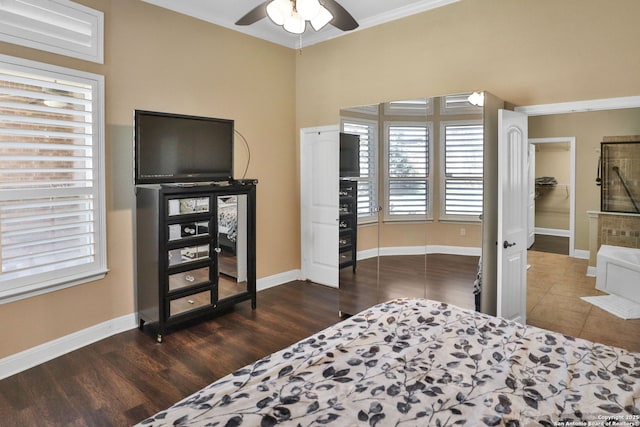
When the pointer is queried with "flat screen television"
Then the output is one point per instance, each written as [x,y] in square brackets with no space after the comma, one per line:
[349,155]
[176,148]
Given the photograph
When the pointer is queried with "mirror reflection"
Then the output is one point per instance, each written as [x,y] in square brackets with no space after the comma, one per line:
[232,241]
[419,188]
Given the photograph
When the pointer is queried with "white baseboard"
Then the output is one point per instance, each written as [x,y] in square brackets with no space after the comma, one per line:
[552,232]
[34,356]
[402,250]
[278,279]
[29,358]
[454,250]
[420,250]
[366,254]
[591,271]
[581,253]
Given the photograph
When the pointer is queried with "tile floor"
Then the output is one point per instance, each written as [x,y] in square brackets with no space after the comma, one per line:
[555,284]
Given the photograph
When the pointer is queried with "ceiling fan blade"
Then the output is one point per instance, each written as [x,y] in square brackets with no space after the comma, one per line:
[254,15]
[341,18]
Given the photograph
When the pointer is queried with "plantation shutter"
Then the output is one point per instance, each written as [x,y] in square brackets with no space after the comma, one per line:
[59,26]
[367,188]
[407,171]
[463,170]
[51,179]
[458,104]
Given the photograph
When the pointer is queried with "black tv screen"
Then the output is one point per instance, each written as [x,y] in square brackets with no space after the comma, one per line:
[349,155]
[174,148]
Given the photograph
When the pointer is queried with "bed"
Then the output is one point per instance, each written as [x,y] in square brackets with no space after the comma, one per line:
[416,362]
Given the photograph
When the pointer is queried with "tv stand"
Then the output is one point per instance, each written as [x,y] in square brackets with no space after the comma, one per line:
[193,184]
[195,252]
[211,183]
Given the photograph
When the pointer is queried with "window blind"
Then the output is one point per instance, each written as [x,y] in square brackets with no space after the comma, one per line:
[410,107]
[463,169]
[51,185]
[458,104]
[59,26]
[407,170]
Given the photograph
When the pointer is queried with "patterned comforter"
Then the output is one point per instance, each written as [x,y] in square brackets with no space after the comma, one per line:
[417,362]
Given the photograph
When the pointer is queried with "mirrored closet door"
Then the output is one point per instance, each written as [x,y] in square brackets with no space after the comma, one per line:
[419,190]
[232,245]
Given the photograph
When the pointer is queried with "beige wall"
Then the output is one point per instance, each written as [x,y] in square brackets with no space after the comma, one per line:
[159,60]
[589,128]
[524,51]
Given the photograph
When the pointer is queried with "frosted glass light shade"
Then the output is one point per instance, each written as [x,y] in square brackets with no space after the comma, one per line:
[295,24]
[308,9]
[477,99]
[321,19]
[279,10]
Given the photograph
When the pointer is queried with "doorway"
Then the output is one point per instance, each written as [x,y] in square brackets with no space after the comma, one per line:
[553,190]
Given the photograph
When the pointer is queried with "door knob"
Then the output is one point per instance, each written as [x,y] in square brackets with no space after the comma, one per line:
[507,244]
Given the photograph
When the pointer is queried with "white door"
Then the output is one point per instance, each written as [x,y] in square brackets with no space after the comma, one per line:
[512,216]
[319,165]
[531,210]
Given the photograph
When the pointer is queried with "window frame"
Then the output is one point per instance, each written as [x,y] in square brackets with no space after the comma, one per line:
[374,160]
[443,176]
[38,284]
[428,216]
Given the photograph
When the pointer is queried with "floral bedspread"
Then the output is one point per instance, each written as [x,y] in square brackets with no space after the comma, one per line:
[413,362]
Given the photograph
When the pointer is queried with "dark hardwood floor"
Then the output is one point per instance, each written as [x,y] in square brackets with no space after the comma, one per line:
[551,244]
[448,278]
[123,379]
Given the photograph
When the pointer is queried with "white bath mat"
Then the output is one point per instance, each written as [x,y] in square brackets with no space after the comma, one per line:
[614,304]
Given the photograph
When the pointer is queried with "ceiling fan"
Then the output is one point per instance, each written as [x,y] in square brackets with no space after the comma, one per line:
[293,14]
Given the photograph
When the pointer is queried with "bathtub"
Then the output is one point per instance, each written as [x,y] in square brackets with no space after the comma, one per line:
[618,271]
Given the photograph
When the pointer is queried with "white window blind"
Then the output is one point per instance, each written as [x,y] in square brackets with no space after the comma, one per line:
[411,107]
[458,104]
[59,26]
[407,171]
[52,230]
[463,170]
[367,182]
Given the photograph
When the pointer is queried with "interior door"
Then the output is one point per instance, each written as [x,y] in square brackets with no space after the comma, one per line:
[531,208]
[319,156]
[512,216]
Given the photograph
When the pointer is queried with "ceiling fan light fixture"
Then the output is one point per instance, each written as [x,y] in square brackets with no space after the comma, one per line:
[279,10]
[308,9]
[321,19]
[318,13]
[295,24]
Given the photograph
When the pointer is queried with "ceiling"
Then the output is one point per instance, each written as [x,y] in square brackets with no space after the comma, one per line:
[368,13]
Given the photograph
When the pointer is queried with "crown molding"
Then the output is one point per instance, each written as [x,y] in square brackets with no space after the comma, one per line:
[580,106]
